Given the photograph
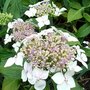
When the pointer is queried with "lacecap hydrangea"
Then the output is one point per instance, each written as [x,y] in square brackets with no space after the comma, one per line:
[45,54]
[48,54]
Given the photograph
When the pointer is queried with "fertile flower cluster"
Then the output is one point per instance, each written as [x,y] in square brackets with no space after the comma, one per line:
[46,53]
[19,31]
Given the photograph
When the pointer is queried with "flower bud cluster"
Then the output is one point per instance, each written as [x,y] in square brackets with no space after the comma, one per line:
[5,18]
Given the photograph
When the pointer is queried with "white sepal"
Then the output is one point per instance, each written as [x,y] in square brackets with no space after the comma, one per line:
[43,21]
[31,12]
[16,46]
[63,86]
[40,85]
[40,74]
[7,38]
[23,76]
[10,62]
[19,59]
[58,78]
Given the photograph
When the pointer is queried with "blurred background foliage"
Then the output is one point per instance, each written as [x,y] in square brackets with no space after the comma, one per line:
[76,20]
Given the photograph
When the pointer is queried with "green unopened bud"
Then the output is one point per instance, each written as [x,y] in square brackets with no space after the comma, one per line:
[5,18]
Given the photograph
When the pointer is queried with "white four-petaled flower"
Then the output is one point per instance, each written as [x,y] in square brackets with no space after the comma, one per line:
[35,76]
[16,46]
[8,38]
[18,60]
[31,12]
[43,21]
[74,67]
[57,10]
[64,81]
[81,57]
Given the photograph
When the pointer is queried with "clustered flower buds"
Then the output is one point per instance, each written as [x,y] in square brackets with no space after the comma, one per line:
[5,18]
[48,51]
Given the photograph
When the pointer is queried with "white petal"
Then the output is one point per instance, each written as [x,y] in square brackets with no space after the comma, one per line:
[79,51]
[7,38]
[43,21]
[10,62]
[29,75]
[19,20]
[40,24]
[86,42]
[84,57]
[58,78]
[70,73]
[57,12]
[69,37]
[32,80]
[27,13]
[77,69]
[31,12]
[52,70]
[40,85]
[24,76]
[10,25]
[19,59]
[63,9]
[16,46]
[26,66]
[84,64]
[40,74]
[69,80]
[45,32]
[63,86]
[81,60]
[73,66]
[47,22]
[39,19]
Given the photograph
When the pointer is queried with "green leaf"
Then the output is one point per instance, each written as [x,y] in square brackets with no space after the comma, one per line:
[32,88]
[7,2]
[10,84]
[75,5]
[10,72]
[83,30]
[86,2]
[78,87]
[87,51]
[74,43]
[47,87]
[86,16]
[74,14]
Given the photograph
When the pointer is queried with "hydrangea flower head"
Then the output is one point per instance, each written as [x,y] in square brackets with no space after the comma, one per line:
[42,8]
[48,53]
